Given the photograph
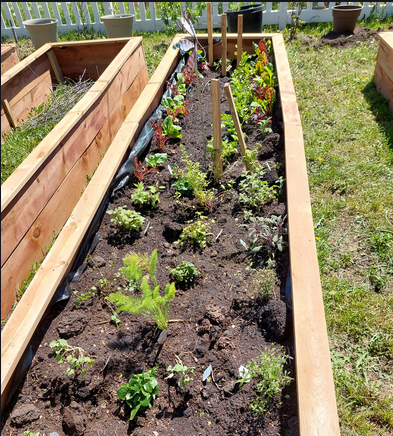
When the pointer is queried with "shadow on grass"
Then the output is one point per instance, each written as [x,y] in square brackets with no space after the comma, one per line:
[379,106]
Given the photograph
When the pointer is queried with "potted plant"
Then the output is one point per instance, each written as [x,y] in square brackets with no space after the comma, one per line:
[252,19]
[345,18]
[41,30]
[118,25]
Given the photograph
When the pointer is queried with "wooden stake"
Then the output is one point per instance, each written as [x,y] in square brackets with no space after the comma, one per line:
[239,38]
[236,120]
[8,113]
[224,44]
[217,141]
[210,32]
[55,65]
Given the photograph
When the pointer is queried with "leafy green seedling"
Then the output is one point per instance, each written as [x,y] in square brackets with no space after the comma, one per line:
[127,219]
[139,392]
[149,197]
[183,371]
[75,357]
[84,296]
[115,319]
[170,129]
[196,233]
[157,159]
[184,272]
[183,188]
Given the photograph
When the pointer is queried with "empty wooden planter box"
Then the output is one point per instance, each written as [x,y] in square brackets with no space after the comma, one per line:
[38,198]
[315,387]
[383,76]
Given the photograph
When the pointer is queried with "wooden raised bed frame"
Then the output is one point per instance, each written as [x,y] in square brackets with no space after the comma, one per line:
[9,58]
[315,387]
[38,198]
[383,76]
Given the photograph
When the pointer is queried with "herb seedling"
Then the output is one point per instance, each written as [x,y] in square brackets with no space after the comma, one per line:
[151,304]
[268,233]
[142,198]
[184,272]
[84,296]
[183,371]
[127,219]
[196,233]
[139,392]
[269,377]
[76,357]
[265,282]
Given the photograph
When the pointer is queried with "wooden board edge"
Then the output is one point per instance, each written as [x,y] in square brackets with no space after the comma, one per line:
[14,185]
[95,41]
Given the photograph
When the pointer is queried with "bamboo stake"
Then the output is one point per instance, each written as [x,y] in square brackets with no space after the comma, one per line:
[8,113]
[210,32]
[217,141]
[239,38]
[236,120]
[224,44]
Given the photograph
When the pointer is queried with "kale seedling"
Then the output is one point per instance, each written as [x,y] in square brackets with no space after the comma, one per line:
[183,371]
[150,197]
[151,304]
[127,219]
[139,392]
[76,357]
[269,377]
[184,272]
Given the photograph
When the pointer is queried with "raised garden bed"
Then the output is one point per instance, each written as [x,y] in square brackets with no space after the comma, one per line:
[219,320]
[383,76]
[38,198]
[9,58]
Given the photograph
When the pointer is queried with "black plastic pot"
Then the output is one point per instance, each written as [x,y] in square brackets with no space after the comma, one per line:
[252,19]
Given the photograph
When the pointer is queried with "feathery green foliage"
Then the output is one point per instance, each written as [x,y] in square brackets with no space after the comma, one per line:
[151,304]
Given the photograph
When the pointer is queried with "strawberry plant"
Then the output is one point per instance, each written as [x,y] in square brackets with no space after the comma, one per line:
[139,392]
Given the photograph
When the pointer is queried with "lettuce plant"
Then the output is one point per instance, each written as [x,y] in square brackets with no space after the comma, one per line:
[170,129]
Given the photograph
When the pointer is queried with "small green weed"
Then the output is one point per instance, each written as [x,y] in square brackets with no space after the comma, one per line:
[265,282]
[76,357]
[139,392]
[84,296]
[127,220]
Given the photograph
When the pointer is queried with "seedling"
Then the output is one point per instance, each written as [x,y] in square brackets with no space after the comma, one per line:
[183,188]
[170,129]
[84,296]
[183,371]
[116,319]
[265,282]
[184,272]
[269,377]
[151,305]
[139,392]
[75,357]
[149,197]
[157,159]
[159,134]
[196,233]
[140,171]
[175,106]
[127,219]
[268,233]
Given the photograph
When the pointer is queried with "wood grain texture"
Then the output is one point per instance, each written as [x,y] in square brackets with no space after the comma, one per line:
[9,58]
[239,38]
[383,84]
[224,44]
[38,189]
[385,57]
[8,113]
[314,377]
[217,136]
[61,204]
[55,66]
[58,263]
[210,32]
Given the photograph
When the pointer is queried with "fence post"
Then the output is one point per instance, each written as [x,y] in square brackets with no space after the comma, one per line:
[282,18]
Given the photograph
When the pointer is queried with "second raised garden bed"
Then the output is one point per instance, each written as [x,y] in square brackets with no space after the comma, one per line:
[217,321]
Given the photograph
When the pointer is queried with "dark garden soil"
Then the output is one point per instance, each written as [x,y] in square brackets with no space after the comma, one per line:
[218,320]
[344,40]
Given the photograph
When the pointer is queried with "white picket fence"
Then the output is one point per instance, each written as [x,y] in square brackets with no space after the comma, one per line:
[12,15]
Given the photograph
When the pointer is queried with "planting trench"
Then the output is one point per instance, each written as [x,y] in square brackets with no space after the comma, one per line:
[221,321]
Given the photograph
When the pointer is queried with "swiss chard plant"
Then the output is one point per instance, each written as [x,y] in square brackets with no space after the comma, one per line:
[139,392]
[175,106]
[151,304]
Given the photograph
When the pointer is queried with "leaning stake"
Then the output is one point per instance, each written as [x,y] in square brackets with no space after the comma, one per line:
[217,144]
[236,121]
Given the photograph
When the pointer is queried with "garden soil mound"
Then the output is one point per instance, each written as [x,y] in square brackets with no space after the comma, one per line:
[218,320]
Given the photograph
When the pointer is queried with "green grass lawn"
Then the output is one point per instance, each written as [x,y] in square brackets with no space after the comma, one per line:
[348,134]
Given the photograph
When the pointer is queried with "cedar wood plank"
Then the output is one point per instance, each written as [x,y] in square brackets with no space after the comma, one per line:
[25,318]
[71,148]
[384,84]
[385,58]
[314,376]
[9,58]
[60,206]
